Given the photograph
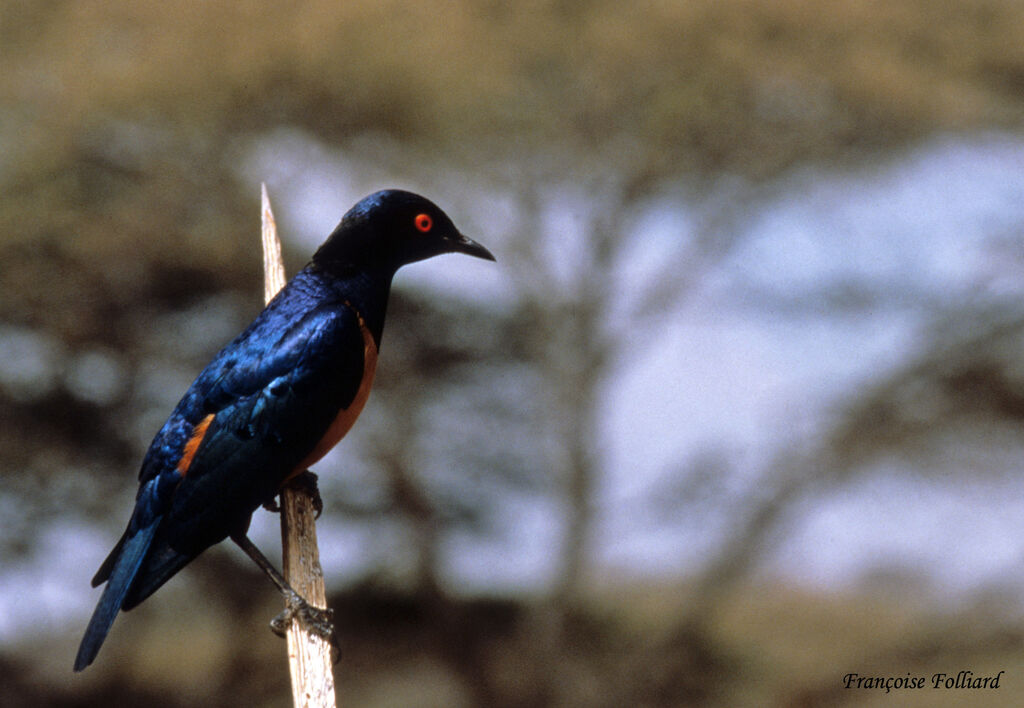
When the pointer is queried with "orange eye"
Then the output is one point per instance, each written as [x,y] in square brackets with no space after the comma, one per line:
[423,222]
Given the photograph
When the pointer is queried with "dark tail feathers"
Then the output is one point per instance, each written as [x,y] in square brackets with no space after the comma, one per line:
[121,575]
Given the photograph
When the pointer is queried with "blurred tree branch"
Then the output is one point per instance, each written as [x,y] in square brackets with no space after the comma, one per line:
[966,374]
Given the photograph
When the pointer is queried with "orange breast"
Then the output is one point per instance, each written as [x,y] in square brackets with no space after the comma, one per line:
[346,416]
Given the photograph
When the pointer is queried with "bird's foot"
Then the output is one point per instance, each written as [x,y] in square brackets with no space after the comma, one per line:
[307,482]
[318,620]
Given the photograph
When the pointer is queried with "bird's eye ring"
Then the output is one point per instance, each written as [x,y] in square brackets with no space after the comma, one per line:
[423,222]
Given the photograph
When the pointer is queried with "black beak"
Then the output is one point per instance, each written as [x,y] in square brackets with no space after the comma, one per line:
[471,248]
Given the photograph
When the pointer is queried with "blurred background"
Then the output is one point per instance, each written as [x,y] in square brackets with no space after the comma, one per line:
[737,412]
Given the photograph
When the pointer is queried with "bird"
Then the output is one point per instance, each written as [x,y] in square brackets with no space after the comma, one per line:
[272,402]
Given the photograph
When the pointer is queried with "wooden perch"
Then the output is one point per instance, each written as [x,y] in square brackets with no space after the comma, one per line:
[309,654]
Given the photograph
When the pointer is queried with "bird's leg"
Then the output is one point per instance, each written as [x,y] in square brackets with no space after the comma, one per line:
[306,481]
[318,620]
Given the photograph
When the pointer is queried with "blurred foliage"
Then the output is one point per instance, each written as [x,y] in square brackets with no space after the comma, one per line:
[127,245]
[771,645]
[725,85]
[121,122]
[967,376]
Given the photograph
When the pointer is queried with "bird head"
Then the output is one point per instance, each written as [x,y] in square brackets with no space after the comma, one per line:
[391,228]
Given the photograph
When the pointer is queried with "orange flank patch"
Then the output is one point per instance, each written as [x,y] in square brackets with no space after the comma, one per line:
[198,433]
[346,416]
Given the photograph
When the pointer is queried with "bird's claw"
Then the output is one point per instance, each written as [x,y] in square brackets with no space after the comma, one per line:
[304,481]
[317,620]
[307,482]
